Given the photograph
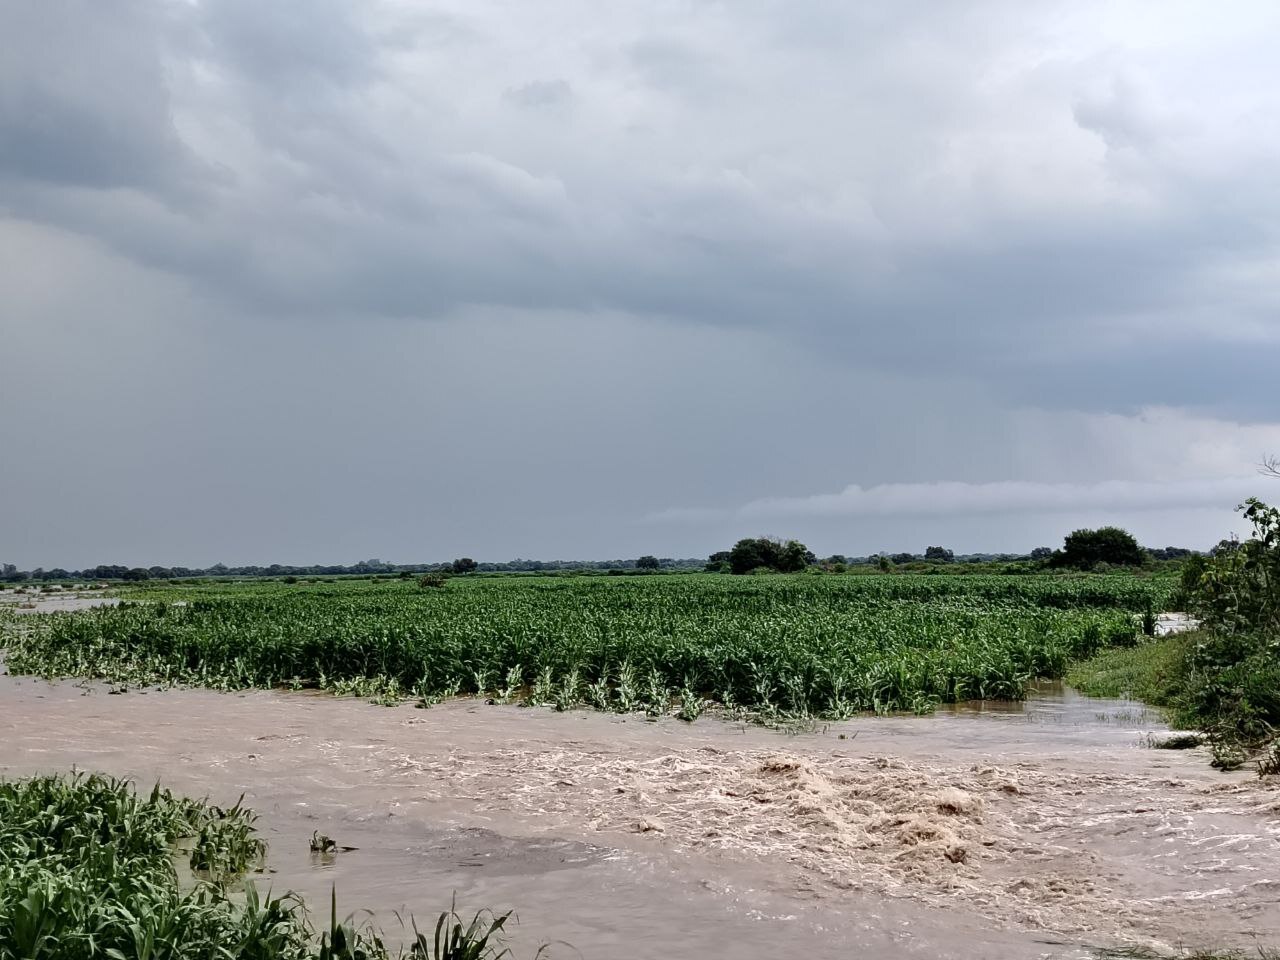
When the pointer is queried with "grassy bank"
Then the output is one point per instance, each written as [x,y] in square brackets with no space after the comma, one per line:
[92,870]
[1154,672]
[1225,686]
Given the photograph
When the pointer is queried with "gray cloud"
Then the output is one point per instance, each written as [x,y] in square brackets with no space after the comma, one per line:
[541,94]
[747,252]
[947,498]
[86,108]
[291,47]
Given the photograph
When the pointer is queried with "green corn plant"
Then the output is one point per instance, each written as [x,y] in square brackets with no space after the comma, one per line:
[627,690]
[691,705]
[767,644]
[543,690]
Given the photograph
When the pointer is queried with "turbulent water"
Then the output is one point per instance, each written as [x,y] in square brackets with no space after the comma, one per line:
[1036,830]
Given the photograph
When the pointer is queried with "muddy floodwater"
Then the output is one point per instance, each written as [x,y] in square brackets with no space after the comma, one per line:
[1042,829]
[53,602]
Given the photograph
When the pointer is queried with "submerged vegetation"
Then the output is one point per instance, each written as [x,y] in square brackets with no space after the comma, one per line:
[92,870]
[798,646]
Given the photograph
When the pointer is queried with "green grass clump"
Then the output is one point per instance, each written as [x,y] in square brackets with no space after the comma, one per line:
[1153,671]
[92,870]
[786,646]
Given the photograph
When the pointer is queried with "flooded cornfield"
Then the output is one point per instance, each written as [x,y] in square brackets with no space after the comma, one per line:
[1037,829]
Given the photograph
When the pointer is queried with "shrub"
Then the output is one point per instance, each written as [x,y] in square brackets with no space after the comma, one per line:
[1234,690]
[1088,549]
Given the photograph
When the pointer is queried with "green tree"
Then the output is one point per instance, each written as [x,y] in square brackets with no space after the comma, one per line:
[1237,590]
[750,554]
[1085,549]
[1233,671]
[648,562]
[718,562]
[939,554]
[463,565]
[794,556]
[753,553]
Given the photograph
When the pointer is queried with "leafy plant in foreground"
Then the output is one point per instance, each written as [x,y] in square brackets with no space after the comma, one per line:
[92,870]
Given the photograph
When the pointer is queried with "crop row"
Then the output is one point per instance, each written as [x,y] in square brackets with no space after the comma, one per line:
[804,645]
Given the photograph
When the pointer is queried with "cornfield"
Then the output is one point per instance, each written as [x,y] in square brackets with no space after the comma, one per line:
[805,645]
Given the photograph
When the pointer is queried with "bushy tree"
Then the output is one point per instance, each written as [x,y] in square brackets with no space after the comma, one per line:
[1238,589]
[463,565]
[787,556]
[1085,549]
[648,562]
[749,554]
[1234,672]
[718,562]
[939,554]
[794,557]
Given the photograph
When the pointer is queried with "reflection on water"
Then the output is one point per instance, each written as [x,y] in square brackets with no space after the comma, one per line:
[1053,702]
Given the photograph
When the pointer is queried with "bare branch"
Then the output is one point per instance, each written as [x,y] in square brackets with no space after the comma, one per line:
[1270,467]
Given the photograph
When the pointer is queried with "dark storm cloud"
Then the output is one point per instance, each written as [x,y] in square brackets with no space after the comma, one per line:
[955,213]
[83,98]
[367,183]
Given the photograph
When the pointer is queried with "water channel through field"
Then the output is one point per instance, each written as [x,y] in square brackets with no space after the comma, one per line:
[1014,830]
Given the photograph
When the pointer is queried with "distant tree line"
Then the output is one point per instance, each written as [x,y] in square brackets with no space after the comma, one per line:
[9,573]
[1081,550]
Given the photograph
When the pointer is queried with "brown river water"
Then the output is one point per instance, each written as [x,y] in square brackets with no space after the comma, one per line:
[1043,829]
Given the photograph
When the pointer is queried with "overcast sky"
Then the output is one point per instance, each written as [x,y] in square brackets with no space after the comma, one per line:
[316,280]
